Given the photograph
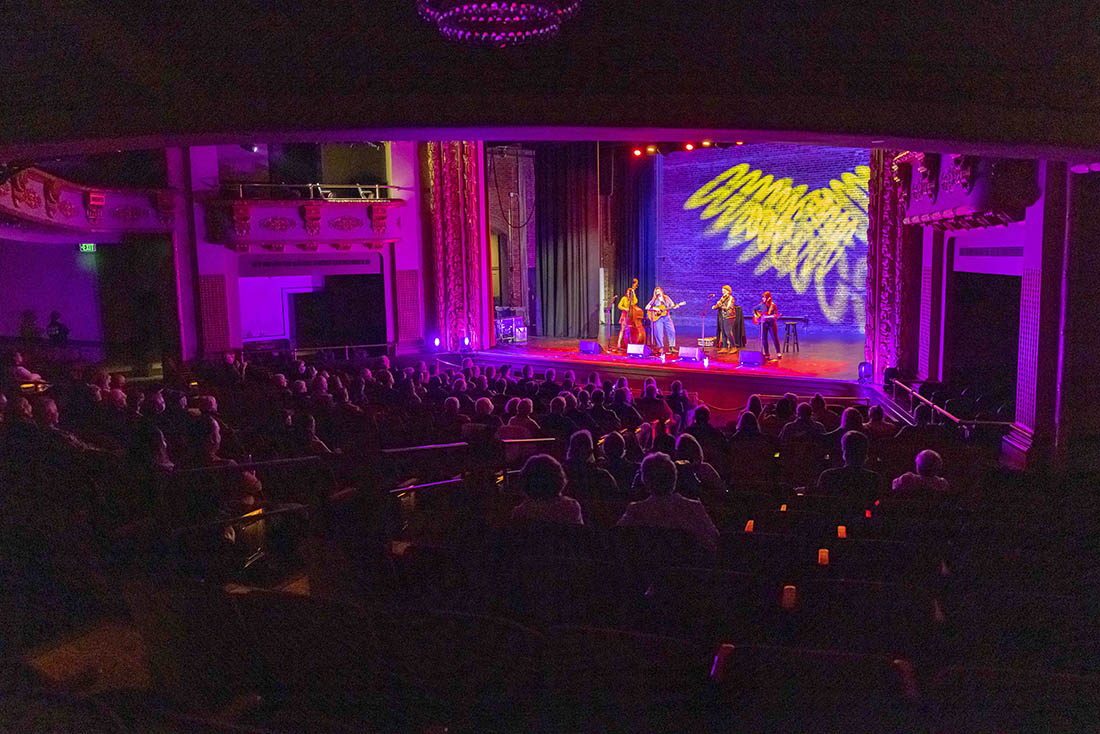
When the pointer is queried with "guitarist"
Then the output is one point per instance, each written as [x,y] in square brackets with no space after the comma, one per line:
[766,313]
[664,331]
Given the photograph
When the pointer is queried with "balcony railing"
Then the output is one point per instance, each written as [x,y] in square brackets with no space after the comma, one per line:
[314,191]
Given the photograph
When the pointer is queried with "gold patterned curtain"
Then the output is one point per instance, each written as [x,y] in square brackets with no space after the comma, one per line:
[888,283]
[451,190]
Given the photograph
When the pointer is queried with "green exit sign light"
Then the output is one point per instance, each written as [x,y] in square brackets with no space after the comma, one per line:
[87,246]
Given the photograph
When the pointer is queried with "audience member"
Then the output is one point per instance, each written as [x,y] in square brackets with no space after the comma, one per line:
[586,479]
[543,480]
[628,415]
[850,420]
[851,480]
[773,422]
[925,430]
[616,463]
[822,414]
[18,372]
[665,508]
[651,405]
[876,426]
[606,420]
[556,425]
[695,477]
[926,481]
[678,401]
[803,426]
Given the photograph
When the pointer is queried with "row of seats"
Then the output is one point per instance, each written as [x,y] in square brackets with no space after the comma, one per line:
[393,668]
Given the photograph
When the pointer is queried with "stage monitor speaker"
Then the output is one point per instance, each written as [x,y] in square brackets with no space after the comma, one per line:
[691,354]
[638,350]
[590,347]
[751,359]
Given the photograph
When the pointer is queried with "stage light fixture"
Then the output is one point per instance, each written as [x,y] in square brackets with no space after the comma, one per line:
[689,146]
[740,142]
[637,152]
[437,342]
[466,341]
[651,149]
[706,363]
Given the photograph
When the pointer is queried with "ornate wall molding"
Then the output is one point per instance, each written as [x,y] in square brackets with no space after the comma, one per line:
[301,225]
[37,197]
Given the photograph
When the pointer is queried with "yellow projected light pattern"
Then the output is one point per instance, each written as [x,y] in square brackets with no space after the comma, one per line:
[799,233]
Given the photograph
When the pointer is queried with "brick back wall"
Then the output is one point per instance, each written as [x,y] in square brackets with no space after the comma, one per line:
[816,279]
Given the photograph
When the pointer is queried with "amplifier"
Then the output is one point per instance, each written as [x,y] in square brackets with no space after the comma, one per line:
[751,359]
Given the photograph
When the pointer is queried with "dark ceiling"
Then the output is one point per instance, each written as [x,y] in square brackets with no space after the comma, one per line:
[995,72]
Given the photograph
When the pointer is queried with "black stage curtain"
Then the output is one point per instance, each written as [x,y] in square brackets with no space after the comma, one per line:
[568,243]
[633,210]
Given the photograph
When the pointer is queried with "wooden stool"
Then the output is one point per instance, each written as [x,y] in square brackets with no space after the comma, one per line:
[790,329]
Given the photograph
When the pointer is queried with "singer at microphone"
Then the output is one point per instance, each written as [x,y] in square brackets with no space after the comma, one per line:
[727,313]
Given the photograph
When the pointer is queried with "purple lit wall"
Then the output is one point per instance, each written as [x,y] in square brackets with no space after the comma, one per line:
[43,277]
[787,218]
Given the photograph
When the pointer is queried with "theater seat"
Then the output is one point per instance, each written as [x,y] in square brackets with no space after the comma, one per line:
[710,605]
[778,689]
[615,681]
[463,671]
[763,554]
[998,701]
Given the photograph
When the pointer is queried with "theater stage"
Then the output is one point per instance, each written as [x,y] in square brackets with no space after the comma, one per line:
[825,364]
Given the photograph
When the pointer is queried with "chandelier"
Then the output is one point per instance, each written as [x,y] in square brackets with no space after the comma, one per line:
[498,24]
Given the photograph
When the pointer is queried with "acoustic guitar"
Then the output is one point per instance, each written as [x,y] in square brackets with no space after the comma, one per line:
[656,313]
[757,317]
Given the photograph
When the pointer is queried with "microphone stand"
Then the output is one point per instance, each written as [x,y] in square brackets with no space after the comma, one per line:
[703,332]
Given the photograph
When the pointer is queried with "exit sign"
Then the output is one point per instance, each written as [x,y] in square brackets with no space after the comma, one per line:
[86,246]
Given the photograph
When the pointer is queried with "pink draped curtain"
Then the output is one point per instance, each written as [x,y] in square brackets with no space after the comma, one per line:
[451,190]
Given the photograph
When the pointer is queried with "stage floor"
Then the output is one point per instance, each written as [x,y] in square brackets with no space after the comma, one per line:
[829,357]
[824,365]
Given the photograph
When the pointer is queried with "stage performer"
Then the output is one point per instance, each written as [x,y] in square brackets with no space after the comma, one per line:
[664,331]
[727,321]
[767,314]
[631,318]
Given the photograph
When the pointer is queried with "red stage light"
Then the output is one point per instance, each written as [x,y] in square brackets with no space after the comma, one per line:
[740,142]
[689,146]
[637,152]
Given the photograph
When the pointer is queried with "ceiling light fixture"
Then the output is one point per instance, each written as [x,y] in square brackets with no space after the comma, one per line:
[498,24]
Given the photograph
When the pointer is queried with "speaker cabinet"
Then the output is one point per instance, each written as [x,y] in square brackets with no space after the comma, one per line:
[691,354]
[638,350]
[751,359]
[590,347]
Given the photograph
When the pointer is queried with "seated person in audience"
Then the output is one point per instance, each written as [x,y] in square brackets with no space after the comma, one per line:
[772,423]
[55,438]
[549,388]
[448,425]
[678,401]
[747,427]
[616,463]
[850,420]
[304,436]
[663,441]
[876,426]
[243,493]
[651,405]
[925,429]
[543,480]
[803,426]
[822,414]
[634,451]
[483,414]
[578,413]
[695,478]
[665,508]
[754,406]
[628,414]
[709,437]
[926,481]
[586,479]
[523,420]
[17,371]
[606,421]
[556,425]
[465,402]
[645,437]
[851,480]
